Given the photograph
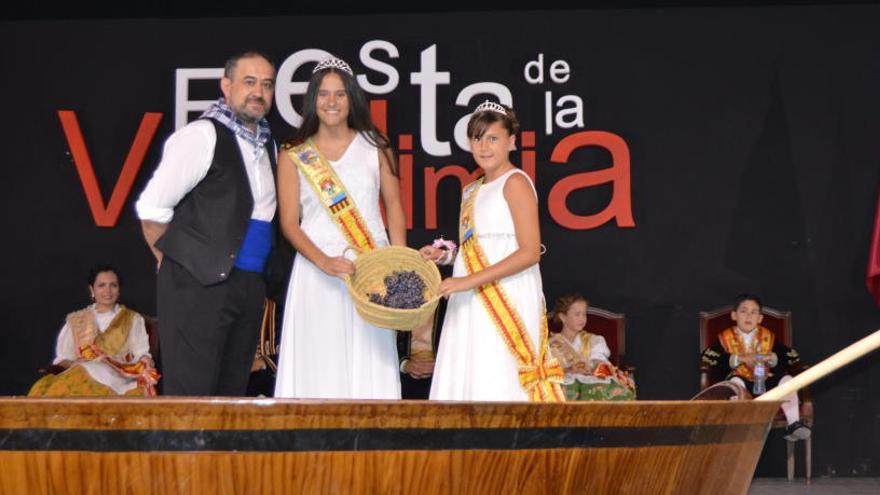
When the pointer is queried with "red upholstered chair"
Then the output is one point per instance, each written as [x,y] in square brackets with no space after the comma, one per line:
[610,325]
[714,322]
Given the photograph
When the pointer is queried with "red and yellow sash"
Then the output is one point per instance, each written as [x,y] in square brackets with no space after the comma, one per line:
[539,374]
[733,344]
[89,342]
[111,342]
[565,352]
[332,194]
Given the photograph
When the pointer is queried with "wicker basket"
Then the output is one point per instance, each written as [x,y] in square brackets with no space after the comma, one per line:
[372,267]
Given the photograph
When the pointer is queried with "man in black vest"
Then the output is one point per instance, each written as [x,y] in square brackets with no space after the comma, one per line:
[207,216]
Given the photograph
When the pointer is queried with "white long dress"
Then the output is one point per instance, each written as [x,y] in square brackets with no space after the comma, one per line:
[327,350]
[473,362]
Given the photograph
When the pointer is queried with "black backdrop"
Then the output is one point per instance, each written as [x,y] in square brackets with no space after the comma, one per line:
[751,133]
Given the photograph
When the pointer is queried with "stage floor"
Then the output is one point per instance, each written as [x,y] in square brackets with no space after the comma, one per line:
[819,486]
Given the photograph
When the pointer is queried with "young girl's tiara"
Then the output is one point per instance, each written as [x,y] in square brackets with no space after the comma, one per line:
[333,63]
[491,106]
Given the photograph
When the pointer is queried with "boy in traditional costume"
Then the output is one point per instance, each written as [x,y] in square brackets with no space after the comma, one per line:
[741,347]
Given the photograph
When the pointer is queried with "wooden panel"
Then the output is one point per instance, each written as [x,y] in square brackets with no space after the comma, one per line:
[236,446]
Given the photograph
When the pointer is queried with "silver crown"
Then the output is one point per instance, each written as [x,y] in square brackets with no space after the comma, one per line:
[490,106]
[333,63]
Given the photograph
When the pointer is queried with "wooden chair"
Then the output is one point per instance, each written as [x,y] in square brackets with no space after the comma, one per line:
[610,325]
[267,349]
[714,322]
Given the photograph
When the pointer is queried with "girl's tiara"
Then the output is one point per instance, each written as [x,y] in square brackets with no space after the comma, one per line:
[333,63]
[491,106]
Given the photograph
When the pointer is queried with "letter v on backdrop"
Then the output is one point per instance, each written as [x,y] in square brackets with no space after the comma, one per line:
[106,214]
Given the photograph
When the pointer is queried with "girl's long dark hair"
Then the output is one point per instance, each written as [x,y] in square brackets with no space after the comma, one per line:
[359,117]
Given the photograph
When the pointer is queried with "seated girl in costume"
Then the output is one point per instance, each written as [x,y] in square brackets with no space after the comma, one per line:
[104,348]
[589,375]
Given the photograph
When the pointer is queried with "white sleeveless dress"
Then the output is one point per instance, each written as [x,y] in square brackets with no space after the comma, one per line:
[473,362]
[327,350]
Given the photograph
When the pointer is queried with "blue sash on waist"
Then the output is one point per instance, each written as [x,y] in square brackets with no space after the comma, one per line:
[256,246]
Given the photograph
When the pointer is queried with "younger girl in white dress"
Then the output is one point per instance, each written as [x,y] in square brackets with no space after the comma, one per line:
[493,346]
[330,179]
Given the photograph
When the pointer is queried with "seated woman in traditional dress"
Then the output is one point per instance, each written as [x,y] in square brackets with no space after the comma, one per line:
[589,375]
[104,348]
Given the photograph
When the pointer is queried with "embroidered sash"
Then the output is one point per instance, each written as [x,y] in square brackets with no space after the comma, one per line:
[332,194]
[570,356]
[565,352]
[111,342]
[539,374]
[733,344]
[89,342]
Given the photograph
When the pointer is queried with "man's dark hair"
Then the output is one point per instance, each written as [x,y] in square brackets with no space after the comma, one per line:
[232,62]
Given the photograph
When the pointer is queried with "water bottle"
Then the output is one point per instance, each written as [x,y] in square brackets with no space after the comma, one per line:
[759,374]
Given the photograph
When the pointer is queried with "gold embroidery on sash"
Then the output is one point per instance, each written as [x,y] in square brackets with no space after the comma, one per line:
[332,194]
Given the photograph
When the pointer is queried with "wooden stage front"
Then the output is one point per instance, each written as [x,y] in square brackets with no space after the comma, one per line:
[236,446]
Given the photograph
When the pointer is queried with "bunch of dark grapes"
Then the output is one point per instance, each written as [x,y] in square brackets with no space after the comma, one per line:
[403,290]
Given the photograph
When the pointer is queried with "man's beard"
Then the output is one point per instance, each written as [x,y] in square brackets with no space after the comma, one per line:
[251,117]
